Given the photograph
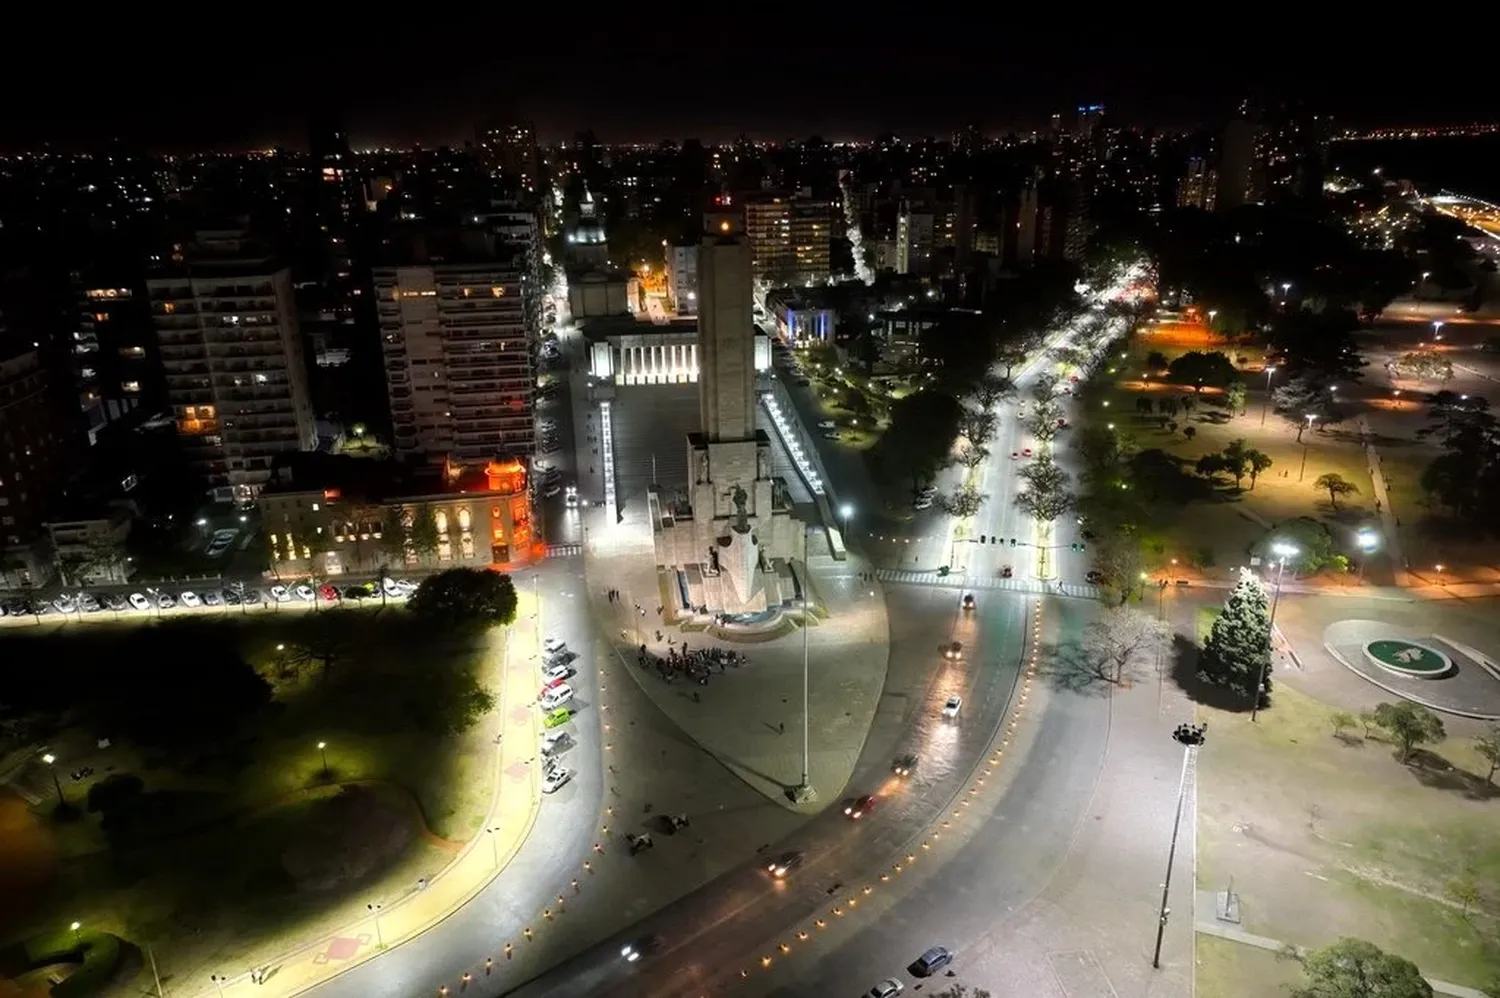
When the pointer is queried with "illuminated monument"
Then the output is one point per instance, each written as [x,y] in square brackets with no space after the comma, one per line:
[729,542]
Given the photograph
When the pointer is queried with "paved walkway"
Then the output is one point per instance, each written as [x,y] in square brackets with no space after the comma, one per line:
[516,793]
[1223,930]
[750,718]
[1389,522]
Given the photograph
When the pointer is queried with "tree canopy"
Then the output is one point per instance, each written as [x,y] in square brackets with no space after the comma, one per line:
[1353,968]
[1238,652]
[465,596]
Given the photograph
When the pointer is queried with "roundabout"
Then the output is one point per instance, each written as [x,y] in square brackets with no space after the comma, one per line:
[1407,658]
[1408,662]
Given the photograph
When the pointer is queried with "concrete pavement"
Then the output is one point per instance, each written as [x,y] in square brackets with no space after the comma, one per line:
[750,717]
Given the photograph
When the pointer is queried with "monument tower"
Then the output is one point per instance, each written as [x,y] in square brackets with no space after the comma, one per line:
[732,544]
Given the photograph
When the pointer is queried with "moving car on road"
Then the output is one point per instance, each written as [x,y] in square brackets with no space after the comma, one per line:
[953,706]
[784,864]
[856,809]
[904,764]
[955,651]
[968,601]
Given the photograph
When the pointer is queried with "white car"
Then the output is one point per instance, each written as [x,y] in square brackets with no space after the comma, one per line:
[87,603]
[888,988]
[165,601]
[553,645]
[139,602]
[190,599]
[279,594]
[556,780]
[556,696]
[953,706]
[64,604]
[559,671]
[304,593]
[554,742]
[827,424]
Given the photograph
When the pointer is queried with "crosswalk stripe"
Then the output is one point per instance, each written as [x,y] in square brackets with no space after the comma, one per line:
[981,582]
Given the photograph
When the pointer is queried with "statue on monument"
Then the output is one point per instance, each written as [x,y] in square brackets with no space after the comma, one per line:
[741,500]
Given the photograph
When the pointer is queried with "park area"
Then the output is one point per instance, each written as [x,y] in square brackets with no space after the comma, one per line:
[1325,834]
[223,790]
[1199,514]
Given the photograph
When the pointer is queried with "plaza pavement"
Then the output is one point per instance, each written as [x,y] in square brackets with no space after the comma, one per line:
[750,718]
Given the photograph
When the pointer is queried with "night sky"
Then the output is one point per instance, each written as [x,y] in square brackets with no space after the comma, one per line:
[236,88]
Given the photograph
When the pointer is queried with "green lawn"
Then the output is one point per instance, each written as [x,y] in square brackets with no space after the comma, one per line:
[1231,970]
[224,856]
[1325,838]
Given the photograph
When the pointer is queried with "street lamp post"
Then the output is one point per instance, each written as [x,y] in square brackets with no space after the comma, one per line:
[494,846]
[374,908]
[1189,736]
[323,751]
[50,760]
[804,790]
[846,511]
[1302,472]
[1266,405]
[1283,551]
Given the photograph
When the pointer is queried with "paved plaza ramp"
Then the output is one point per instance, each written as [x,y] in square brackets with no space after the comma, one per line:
[1470,689]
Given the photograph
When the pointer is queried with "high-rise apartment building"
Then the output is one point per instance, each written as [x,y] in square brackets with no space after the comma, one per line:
[915,238]
[116,362]
[34,458]
[457,340]
[682,277]
[789,239]
[231,350]
[1198,187]
[509,151]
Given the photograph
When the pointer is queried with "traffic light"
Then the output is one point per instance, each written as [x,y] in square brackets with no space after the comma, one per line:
[1076,546]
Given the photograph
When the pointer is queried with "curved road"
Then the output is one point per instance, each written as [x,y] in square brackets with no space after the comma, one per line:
[703,939]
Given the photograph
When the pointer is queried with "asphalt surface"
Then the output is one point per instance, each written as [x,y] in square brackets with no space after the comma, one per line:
[704,936]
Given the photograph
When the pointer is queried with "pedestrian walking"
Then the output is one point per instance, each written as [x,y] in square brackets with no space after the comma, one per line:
[781,727]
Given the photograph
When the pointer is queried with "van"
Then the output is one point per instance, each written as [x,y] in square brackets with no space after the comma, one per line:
[556,697]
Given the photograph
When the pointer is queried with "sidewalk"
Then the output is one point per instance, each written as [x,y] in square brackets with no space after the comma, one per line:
[516,794]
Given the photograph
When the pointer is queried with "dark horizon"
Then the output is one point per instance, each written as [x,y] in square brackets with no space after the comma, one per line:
[631,93]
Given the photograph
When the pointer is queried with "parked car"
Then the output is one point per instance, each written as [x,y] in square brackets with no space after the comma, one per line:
[279,594]
[931,962]
[556,780]
[64,604]
[211,597]
[304,592]
[557,716]
[888,988]
[165,601]
[139,602]
[189,599]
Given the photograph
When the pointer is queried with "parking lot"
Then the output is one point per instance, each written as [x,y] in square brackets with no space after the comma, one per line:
[215,595]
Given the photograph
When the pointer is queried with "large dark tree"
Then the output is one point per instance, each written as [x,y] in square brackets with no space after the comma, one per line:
[465,596]
[1238,651]
[923,426]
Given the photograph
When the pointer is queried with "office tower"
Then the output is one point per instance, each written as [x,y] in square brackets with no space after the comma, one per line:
[231,349]
[1198,187]
[454,329]
[915,238]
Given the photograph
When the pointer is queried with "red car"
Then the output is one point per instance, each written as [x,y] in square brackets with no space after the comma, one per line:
[1026,452]
[328,593]
[859,808]
[554,683]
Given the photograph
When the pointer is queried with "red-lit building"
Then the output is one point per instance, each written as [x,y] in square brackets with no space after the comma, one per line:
[330,515]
